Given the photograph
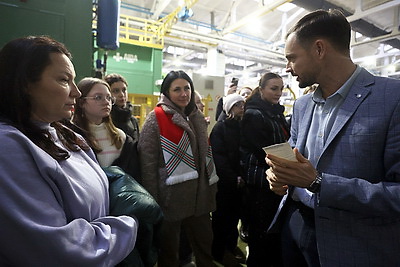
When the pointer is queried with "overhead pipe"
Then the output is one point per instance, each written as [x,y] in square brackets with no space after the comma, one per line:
[360,25]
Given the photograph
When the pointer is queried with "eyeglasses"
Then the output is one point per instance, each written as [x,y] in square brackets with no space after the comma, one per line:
[99,98]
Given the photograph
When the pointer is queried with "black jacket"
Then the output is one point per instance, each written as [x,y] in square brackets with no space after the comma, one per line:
[263,124]
[225,142]
[128,160]
[219,109]
[123,119]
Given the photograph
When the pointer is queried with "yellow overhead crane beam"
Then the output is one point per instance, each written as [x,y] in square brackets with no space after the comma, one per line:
[141,32]
[149,33]
[172,17]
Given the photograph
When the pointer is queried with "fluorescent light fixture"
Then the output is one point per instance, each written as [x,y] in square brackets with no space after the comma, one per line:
[286,7]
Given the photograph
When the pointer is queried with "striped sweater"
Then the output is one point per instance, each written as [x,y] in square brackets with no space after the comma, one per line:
[109,151]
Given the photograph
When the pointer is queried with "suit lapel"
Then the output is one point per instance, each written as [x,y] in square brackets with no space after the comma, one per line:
[359,91]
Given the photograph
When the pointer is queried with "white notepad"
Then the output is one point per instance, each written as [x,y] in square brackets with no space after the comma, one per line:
[282,150]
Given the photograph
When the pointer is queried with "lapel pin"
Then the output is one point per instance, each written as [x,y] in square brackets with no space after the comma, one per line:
[358,95]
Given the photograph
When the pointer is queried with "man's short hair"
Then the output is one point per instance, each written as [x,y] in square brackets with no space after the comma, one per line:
[115,77]
[331,25]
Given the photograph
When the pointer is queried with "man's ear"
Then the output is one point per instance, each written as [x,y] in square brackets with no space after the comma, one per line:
[320,47]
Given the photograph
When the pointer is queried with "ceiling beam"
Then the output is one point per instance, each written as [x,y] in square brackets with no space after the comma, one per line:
[228,14]
[218,40]
[382,38]
[158,8]
[378,56]
[179,58]
[360,25]
[285,21]
[359,14]
[258,13]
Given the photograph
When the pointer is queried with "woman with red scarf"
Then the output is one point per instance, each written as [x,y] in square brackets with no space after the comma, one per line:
[178,171]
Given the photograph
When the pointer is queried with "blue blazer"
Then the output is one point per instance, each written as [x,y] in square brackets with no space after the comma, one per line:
[357,211]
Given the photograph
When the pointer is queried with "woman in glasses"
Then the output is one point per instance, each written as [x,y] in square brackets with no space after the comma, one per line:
[111,145]
[54,199]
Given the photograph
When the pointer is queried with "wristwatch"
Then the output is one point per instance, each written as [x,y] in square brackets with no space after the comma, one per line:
[315,186]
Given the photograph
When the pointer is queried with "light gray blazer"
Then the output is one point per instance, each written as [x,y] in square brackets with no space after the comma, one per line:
[357,211]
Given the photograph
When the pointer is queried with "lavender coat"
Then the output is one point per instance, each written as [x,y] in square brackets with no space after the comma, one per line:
[55,213]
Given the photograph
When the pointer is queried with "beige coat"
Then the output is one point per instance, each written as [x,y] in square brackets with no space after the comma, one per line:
[182,200]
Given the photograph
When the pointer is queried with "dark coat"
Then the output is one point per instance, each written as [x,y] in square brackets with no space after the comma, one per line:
[123,119]
[263,124]
[225,142]
[128,160]
[219,109]
[128,197]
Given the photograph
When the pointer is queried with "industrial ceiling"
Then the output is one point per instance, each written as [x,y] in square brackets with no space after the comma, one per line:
[248,35]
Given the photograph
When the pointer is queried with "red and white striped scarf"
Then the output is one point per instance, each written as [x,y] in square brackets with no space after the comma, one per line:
[175,145]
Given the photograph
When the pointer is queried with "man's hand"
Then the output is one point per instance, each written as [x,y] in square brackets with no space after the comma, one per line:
[276,187]
[284,172]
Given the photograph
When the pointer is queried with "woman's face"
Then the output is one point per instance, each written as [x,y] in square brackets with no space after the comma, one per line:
[97,104]
[272,91]
[245,92]
[180,92]
[200,105]
[53,96]
[237,109]
[120,92]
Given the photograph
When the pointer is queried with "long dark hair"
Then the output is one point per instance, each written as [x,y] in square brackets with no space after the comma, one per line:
[166,84]
[22,62]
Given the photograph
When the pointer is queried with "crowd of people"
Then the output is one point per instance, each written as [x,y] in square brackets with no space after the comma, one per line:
[337,204]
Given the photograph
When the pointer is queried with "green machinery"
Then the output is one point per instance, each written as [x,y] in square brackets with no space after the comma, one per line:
[73,22]
[68,21]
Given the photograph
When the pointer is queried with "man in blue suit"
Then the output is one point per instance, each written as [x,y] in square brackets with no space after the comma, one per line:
[342,195]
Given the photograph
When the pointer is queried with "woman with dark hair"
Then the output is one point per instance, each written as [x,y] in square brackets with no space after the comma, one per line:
[54,196]
[178,171]
[121,112]
[263,124]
